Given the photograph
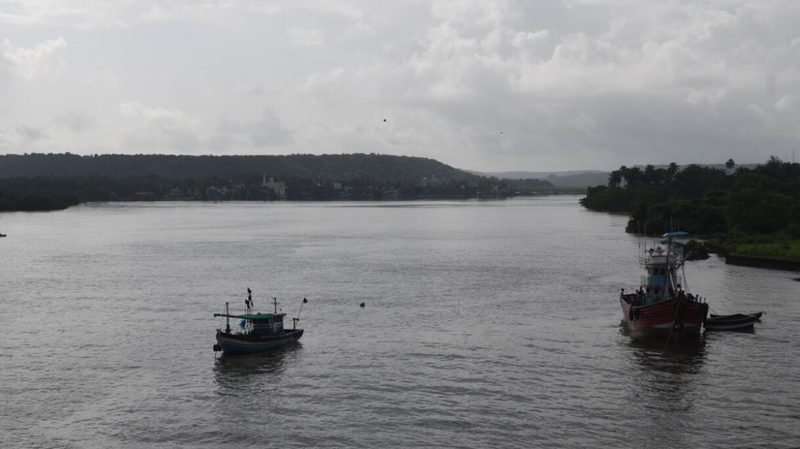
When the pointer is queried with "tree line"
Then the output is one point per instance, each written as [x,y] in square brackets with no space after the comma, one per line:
[732,203]
[59,192]
[341,167]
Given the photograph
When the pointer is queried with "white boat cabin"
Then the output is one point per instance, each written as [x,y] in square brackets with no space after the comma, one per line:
[656,262]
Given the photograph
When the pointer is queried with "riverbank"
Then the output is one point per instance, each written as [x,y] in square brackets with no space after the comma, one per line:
[782,255]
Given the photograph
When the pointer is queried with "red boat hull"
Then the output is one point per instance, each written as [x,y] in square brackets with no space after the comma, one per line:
[674,315]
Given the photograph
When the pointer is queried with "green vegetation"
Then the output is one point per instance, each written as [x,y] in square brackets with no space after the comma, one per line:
[335,167]
[695,250]
[753,212]
[35,201]
[68,179]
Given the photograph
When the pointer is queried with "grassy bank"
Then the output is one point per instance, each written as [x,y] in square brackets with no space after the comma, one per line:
[786,250]
[778,246]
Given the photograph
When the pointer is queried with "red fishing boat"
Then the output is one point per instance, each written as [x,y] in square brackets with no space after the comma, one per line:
[662,305]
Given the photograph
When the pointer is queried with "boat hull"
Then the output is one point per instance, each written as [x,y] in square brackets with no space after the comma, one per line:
[731,322]
[243,344]
[673,316]
[757,315]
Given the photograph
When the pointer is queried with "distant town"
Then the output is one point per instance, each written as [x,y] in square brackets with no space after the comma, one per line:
[271,190]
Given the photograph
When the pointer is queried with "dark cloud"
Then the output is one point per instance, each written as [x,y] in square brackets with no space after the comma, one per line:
[31,134]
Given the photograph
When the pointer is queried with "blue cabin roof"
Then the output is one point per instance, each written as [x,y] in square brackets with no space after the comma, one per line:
[675,234]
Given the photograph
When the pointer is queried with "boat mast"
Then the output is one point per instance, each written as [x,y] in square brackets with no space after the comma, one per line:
[666,269]
[227,319]
[275,302]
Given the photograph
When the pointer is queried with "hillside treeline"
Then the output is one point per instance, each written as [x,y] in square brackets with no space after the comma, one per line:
[338,167]
[66,179]
[732,203]
[31,201]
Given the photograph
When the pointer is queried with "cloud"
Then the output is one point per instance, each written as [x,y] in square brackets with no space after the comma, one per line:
[788,103]
[599,80]
[31,134]
[268,131]
[578,84]
[156,129]
[248,88]
[91,14]
[76,120]
[306,37]
[28,62]
[231,135]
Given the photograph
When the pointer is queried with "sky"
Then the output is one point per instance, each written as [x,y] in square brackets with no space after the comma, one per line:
[479,85]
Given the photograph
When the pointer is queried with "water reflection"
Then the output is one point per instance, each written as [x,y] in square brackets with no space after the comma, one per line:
[665,385]
[245,373]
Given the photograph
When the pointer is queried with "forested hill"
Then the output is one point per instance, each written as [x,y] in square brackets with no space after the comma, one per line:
[339,167]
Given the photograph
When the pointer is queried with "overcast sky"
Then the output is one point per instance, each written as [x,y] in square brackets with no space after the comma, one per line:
[480,85]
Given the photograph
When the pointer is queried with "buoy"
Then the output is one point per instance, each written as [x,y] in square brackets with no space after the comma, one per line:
[363,304]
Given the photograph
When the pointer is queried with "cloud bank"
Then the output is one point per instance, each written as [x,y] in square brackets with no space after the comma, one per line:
[480,85]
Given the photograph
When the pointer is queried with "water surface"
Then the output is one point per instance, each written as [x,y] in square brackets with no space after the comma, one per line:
[486,324]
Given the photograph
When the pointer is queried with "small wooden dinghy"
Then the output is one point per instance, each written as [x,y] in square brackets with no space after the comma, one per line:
[757,315]
[730,322]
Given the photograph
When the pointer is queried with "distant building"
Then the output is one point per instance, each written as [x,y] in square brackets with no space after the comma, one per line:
[433,182]
[278,187]
[212,193]
[145,196]
[176,194]
[391,194]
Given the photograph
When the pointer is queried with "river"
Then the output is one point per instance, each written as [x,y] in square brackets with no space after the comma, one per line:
[486,324]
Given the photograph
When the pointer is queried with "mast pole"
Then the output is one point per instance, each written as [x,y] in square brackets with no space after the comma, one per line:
[227,319]
[666,269]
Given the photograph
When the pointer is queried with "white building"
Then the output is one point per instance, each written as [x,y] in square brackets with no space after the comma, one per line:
[278,187]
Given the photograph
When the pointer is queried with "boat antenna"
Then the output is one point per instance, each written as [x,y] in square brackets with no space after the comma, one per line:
[683,272]
[639,232]
[275,302]
[295,320]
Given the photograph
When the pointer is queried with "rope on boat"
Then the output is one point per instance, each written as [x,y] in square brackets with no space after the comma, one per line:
[676,311]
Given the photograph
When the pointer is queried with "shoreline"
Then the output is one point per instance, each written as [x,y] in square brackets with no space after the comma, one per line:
[755,262]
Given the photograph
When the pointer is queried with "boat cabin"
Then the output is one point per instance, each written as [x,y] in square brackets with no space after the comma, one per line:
[268,324]
[661,267]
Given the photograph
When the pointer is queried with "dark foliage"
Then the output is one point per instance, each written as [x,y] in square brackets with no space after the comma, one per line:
[236,168]
[67,178]
[704,200]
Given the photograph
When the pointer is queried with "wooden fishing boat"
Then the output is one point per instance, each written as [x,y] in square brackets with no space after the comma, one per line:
[736,321]
[259,331]
[662,306]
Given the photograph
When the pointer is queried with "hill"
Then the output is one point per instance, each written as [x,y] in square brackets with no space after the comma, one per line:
[339,167]
[536,174]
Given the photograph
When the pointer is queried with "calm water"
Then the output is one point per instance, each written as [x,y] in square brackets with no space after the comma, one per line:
[486,324]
